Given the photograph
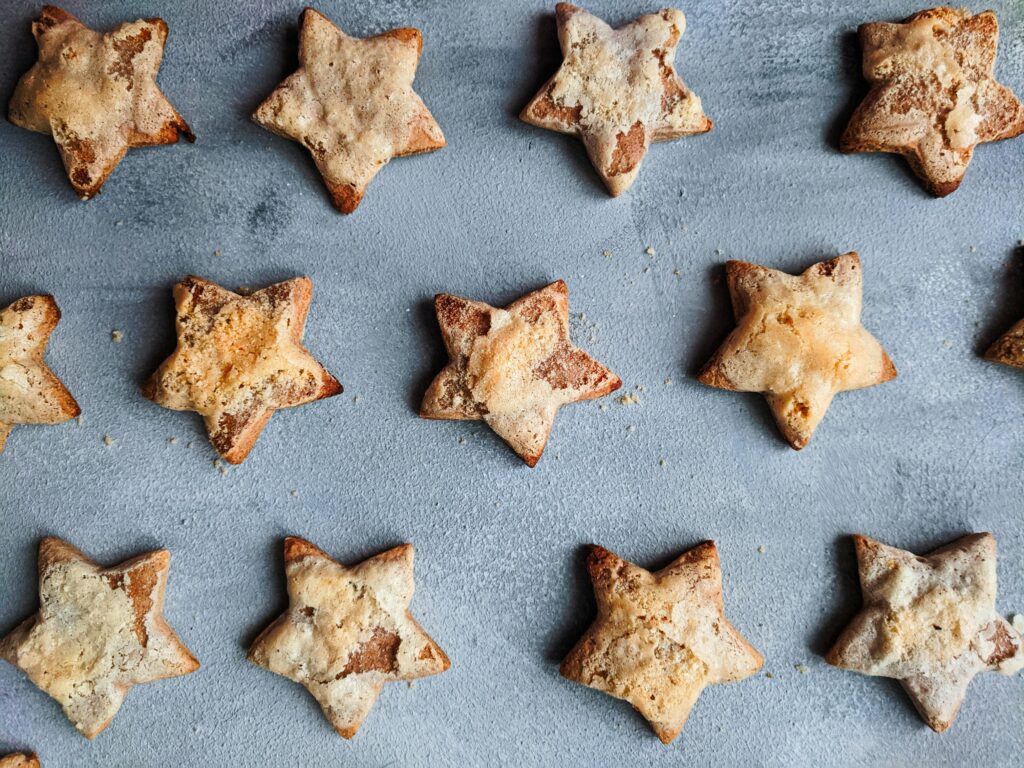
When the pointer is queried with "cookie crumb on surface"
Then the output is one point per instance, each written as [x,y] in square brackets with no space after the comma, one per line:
[172,440]
[801,668]
[108,440]
[760,549]
[769,675]
[650,251]
[631,428]
[116,336]
[217,252]
[630,399]
[662,462]
[293,492]
[608,254]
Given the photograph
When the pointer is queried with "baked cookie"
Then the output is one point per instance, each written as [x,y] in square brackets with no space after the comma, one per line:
[1008,349]
[617,90]
[660,638]
[99,631]
[239,359]
[934,96]
[929,622]
[513,367]
[347,631]
[19,760]
[96,94]
[29,391]
[351,104]
[798,341]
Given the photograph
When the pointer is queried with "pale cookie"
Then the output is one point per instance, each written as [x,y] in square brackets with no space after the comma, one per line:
[798,341]
[660,638]
[934,96]
[347,631]
[1008,349]
[239,359]
[29,391]
[99,631]
[20,760]
[351,104]
[617,90]
[929,622]
[513,367]
[96,94]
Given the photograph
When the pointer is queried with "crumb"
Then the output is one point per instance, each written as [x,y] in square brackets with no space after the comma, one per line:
[188,444]
[606,253]
[356,399]
[769,675]
[217,252]
[662,462]
[650,251]
[108,440]
[602,407]
[630,399]
[583,316]
[947,343]
[631,428]
[172,440]
[293,492]
[667,382]
[118,223]
[411,683]
[974,248]
[222,469]
[462,441]
[760,549]
[801,668]
[639,387]
[646,270]
[79,419]
[677,273]
[116,336]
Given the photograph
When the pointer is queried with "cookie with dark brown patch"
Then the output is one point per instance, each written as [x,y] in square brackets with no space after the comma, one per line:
[513,367]
[239,359]
[351,104]
[99,632]
[347,631]
[617,90]
[934,96]
[1008,349]
[96,94]
[29,391]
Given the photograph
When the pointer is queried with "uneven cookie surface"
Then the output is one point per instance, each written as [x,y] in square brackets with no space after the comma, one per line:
[930,622]
[934,96]
[347,631]
[659,638]
[238,359]
[29,391]
[19,760]
[798,341]
[617,90]
[351,104]
[99,631]
[513,367]
[1008,349]
[96,94]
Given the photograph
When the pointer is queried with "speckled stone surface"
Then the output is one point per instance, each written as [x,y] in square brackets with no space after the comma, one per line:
[503,209]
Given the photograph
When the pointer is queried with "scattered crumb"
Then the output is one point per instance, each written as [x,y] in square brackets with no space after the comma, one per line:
[760,549]
[411,683]
[801,668]
[79,419]
[356,399]
[219,466]
[650,251]
[217,252]
[462,441]
[116,336]
[172,440]
[667,382]
[118,223]
[646,270]
[639,387]
[718,251]
[974,248]
[947,343]
[769,675]
[631,428]
[108,440]
[188,444]
[662,462]
[630,399]
[293,492]
[602,407]
[677,273]
[606,253]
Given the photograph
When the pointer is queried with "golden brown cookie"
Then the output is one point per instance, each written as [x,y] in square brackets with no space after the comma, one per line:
[617,90]
[513,367]
[660,638]
[239,359]
[347,631]
[99,631]
[1008,349]
[29,391]
[351,104]
[20,760]
[96,94]
[934,96]
[929,622]
[798,341]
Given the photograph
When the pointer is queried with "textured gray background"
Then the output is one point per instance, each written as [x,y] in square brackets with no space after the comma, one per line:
[504,209]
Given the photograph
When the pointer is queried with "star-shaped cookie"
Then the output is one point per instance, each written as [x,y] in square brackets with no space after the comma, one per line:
[29,391]
[239,359]
[929,622]
[617,90]
[798,341]
[660,638]
[351,104]
[513,367]
[1008,349]
[96,94]
[99,631]
[347,631]
[934,96]
[19,760]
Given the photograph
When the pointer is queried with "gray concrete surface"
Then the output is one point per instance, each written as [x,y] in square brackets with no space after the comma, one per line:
[504,209]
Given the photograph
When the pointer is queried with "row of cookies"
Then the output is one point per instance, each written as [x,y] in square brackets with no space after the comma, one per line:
[933,97]
[657,641]
[798,341]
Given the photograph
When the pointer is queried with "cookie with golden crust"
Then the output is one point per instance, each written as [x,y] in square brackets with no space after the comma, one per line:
[929,622]
[1008,349]
[934,96]
[351,104]
[96,94]
[98,632]
[798,341]
[239,359]
[29,391]
[20,760]
[347,631]
[513,367]
[660,638]
[617,90]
